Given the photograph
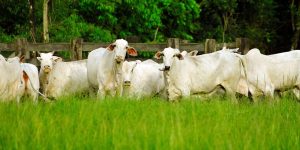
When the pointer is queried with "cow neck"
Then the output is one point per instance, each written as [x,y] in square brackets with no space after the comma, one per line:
[175,63]
[109,62]
[113,68]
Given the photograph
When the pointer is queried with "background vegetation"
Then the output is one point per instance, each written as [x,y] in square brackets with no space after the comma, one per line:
[274,25]
[85,123]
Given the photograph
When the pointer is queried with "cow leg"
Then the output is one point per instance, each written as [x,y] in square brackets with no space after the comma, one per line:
[230,92]
[34,96]
[92,91]
[296,91]
[18,99]
[101,92]
[269,92]
[173,94]
[185,92]
[254,93]
[119,91]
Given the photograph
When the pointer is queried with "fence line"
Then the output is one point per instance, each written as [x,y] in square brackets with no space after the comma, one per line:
[77,46]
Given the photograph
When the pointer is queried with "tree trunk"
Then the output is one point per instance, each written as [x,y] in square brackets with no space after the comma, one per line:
[295,21]
[32,19]
[226,17]
[155,34]
[45,22]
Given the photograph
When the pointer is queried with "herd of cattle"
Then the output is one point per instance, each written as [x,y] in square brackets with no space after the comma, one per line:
[182,74]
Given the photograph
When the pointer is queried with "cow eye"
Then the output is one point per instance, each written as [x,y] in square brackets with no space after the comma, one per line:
[162,54]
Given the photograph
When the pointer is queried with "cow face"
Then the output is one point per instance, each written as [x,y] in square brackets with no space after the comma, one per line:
[168,55]
[120,47]
[47,61]
[127,71]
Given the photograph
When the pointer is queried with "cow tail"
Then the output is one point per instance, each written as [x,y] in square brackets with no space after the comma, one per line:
[243,69]
[37,91]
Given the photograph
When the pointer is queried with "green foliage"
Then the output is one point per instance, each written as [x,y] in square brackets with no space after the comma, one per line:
[14,14]
[146,54]
[266,22]
[183,23]
[260,24]
[74,27]
[85,123]
[101,12]
[4,37]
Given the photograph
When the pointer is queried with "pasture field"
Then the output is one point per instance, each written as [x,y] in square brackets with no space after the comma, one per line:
[121,123]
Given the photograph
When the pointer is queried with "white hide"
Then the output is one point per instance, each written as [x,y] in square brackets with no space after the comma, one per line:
[200,74]
[10,80]
[60,78]
[67,78]
[47,61]
[32,84]
[142,78]
[267,73]
[104,67]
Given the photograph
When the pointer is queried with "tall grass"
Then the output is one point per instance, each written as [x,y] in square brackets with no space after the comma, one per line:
[83,123]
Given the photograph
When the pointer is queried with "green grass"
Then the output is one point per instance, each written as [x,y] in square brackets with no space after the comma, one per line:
[74,123]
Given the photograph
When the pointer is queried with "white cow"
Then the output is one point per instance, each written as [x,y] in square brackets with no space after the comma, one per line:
[104,67]
[191,53]
[267,73]
[142,78]
[47,61]
[10,80]
[62,78]
[30,79]
[200,74]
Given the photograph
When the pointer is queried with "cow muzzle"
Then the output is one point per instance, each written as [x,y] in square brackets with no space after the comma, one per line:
[127,83]
[167,68]
[119,59]
[46,69]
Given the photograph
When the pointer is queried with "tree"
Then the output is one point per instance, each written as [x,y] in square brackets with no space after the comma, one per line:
[45,21]
[14,18]
[295,21]
[223,10]
[32,19]
[179,18]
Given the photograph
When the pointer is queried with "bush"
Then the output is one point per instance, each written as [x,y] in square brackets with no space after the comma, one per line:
[74,27]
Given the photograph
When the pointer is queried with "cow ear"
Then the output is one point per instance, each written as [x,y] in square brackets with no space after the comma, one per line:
[193,53]
[183,53]
[39,58]
[56,59]
[158,55]
[138,61]
[22,59]
[111,47]
[179,56]
[131,51]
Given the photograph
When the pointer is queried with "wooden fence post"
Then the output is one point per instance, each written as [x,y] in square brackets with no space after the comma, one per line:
[21,48]
[76,49]
[243,44]
[210,45]
[173,42]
